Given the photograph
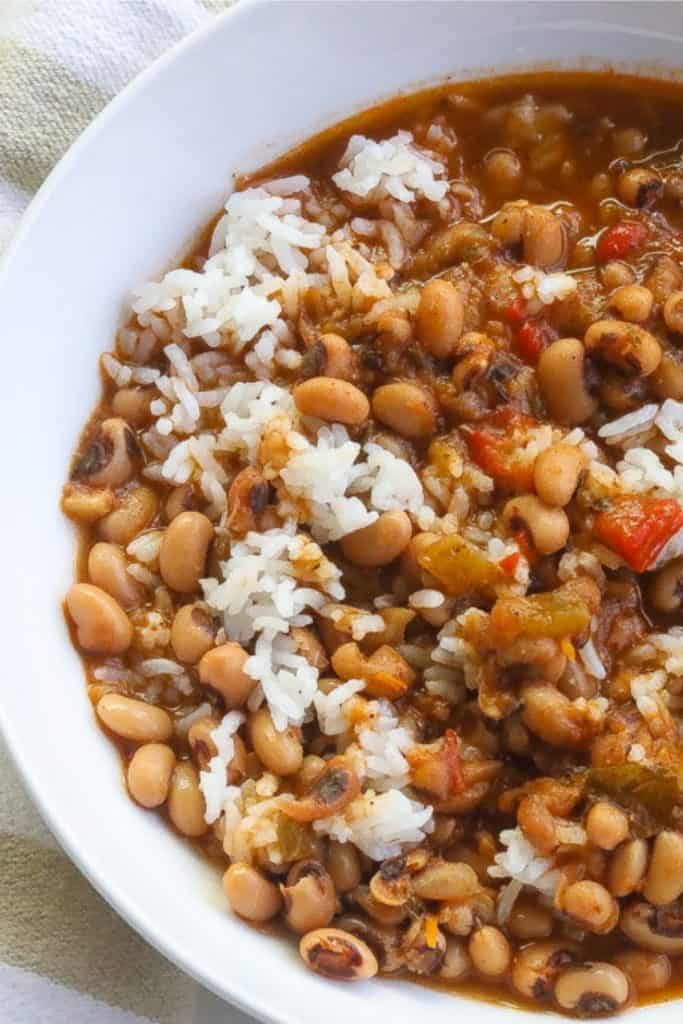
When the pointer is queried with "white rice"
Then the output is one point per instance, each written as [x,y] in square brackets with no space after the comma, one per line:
[382,743]
[213,781]
[426,599]
[394,167]
[521,862]
[632,423]
[546,288]
[260,599]
[381,825]
[330,707]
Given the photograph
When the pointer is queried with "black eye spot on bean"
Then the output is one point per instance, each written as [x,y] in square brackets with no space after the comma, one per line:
[97,455]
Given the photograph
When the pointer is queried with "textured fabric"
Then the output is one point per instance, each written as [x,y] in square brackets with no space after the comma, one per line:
[64,954]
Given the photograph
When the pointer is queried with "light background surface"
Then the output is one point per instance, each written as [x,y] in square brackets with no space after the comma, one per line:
[65,956]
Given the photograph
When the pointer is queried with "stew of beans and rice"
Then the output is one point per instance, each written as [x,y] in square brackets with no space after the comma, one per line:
[381,549]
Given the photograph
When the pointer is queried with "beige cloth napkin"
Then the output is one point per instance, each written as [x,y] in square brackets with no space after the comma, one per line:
[64,954]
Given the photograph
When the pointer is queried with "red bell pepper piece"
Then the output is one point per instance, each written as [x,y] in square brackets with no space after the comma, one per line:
[496,444]
[515,313]
[510,563]
[526,548]
[637,528]
[531,338]
[616,242]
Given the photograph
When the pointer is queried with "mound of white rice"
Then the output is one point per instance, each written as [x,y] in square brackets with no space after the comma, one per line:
[380,825]
[521,862]
[394,167]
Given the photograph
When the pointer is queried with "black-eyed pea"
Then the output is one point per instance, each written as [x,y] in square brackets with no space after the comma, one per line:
[592,990]
[149,774]
[309,646]
[183,552]
[673,312]
[503,169]
[330,356]
[673,185]
[344,867]
[663,278]
[628,348]
[192,632]
[529,921]
[132,405]
[186,807]
[547,524]
[407,408]
[222,668]
[537,965]
[628,142]
[557,472]
[627,868]
[658,929]
[248,498]
[180,499]
[330,399]
[308,896]
[200,740]
[280,752]
[616,274]
[312,767]
[552,717]
[133,719]
[606,825]
[640,187]
[445,880]
[102,626]
[543,239]
[667,380]
[490,951]
[633,302]
[379,543]
[395,332]
[111,456]
[665,589]
[456,962]
[250,894]
[648,972]
[423,947]
[86,504]
[338,954]
[134,511]
[664,879]
[590,904]
[203,748]
[440,318]
[108,569]
[561,375]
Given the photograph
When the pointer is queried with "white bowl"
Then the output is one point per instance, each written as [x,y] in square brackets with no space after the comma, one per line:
[129,196]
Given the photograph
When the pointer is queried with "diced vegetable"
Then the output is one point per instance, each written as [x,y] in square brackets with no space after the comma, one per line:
[460,567]
[526,548]
[510,562]
[496,444]
[515,313]
[531,339]
[555,614]
[653,793]
[294,839]
[436,768]
[638,527]
[616,242]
